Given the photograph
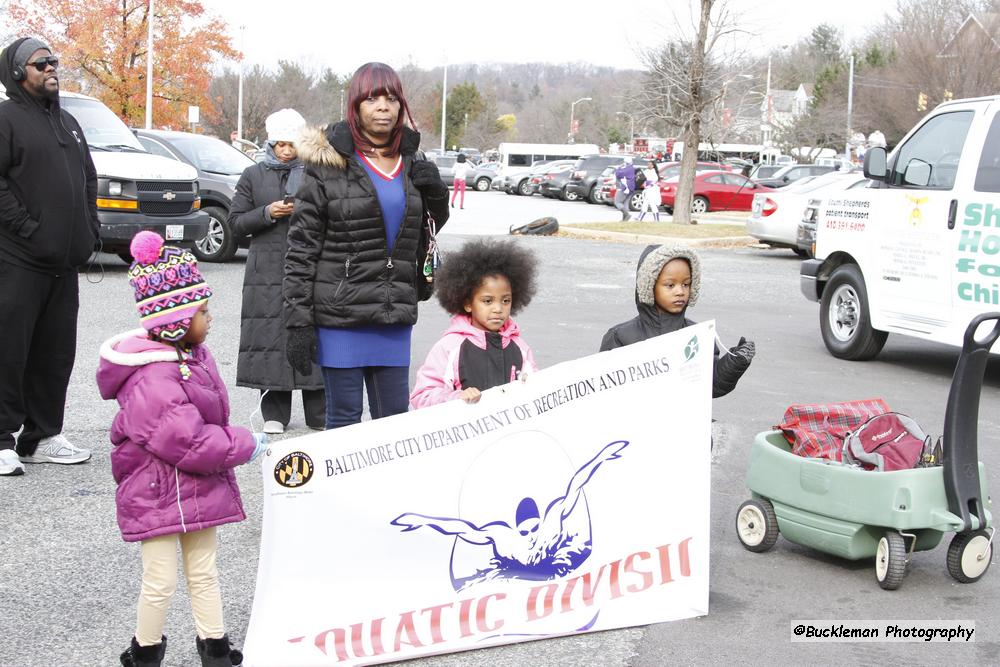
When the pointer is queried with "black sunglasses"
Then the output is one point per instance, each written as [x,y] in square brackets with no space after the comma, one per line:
[41,64]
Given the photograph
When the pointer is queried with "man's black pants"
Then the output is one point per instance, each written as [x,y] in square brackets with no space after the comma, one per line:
[37,348]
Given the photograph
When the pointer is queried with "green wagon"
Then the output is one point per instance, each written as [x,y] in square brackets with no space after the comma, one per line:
[856,514]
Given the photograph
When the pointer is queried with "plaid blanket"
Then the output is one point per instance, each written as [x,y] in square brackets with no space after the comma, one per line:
[817,430]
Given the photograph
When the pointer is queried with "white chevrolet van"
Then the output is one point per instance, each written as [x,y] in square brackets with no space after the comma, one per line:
[136,190]
[918,252]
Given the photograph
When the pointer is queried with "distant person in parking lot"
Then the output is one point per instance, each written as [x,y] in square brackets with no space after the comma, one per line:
[460,171]
[625,184]
[48,228]
[651,193]
[261,209]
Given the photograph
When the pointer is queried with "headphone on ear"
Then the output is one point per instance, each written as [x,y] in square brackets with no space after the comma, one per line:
[18,73]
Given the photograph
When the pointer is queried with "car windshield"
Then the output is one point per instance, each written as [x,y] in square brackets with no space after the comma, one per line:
[103,129]
[212,155]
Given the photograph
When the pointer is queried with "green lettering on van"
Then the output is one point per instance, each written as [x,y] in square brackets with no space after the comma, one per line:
[973,215]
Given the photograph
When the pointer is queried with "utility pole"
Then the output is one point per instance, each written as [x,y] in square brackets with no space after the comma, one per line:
[149,70]
[850,106]
[444,103]
[239,94]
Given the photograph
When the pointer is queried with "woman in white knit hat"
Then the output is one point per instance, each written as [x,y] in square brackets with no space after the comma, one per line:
[262,208]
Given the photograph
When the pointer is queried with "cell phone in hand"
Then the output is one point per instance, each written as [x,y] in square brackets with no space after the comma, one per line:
[289,199]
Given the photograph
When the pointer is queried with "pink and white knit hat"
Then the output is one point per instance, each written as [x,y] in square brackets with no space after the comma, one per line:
[169,289]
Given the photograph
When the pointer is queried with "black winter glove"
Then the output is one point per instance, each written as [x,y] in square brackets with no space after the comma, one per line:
[426,177]
[730,367]
[301,349]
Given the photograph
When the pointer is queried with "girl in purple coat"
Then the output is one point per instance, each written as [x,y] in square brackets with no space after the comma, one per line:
[174,450]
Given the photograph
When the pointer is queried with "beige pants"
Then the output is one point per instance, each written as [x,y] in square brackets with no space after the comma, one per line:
[159,581]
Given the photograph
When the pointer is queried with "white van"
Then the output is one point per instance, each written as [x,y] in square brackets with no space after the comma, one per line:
[918,252]
[516,160]
[136,190]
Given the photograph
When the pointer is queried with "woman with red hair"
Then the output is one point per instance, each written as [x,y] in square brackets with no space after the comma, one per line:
[350,287]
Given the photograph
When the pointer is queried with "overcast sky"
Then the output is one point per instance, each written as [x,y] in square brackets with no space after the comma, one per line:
[343,34]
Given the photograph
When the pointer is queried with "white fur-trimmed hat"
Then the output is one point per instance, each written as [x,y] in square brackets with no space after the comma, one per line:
[284,125]
[653,263]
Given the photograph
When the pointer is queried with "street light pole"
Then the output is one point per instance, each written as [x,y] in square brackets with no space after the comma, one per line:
[850,107]
[444,103]
[149,70]
[631,136]
[239,94]
[572,107]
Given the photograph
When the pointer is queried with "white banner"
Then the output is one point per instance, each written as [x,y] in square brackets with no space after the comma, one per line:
[576,501]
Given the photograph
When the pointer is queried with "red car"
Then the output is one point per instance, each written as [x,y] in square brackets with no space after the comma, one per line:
[716,191]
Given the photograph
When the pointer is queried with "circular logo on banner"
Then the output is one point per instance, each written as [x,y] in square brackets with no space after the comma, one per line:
[294,470]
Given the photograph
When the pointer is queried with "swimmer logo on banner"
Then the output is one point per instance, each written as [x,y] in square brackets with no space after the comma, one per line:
[576,501]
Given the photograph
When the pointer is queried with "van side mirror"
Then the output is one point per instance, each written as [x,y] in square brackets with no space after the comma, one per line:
[917,173]
[875,164]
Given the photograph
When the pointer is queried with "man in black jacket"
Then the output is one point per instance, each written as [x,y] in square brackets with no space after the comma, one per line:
[48,227]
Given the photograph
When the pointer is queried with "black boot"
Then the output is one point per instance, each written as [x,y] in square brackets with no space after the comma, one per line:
[217,652]
[144,656]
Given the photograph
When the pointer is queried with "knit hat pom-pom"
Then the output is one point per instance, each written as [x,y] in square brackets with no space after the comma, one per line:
[146,247]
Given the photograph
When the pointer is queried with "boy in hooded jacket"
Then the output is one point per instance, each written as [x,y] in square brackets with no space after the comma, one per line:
[667,281]
[174,450]
[481,286]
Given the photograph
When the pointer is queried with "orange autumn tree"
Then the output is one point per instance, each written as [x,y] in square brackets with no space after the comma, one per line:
[105,42]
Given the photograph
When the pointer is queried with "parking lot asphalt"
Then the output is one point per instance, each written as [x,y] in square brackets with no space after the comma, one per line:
[71,583]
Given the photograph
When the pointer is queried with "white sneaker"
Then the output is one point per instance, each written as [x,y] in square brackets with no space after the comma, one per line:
[9,463]
[273,427]
[57,449]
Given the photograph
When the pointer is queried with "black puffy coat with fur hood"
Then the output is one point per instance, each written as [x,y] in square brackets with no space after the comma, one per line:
[338,269]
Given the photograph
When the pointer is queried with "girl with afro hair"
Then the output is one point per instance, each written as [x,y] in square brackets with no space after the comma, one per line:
[482,285]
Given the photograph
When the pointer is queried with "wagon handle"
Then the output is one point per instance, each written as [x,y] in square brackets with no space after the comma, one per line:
[961,422]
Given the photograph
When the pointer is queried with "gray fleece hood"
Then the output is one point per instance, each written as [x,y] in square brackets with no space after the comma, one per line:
[652,261]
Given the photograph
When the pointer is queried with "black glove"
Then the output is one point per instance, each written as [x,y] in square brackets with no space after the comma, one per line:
[730,367]
[425,177]
[301,349]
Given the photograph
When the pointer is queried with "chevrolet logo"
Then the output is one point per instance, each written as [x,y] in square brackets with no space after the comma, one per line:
[169,196]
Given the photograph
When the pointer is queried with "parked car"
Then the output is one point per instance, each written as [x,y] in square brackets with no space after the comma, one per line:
[136,191]
[775,216]
[481,178]
[762,171]
[583,180]
[545,172]
[219,168]
[716,191]
[552,182]
[473,154]
[518,183]
[446,167]
[792,173]
[606,186]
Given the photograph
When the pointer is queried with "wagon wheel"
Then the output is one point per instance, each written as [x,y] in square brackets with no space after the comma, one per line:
[969,556]
[890,561]
[757,525]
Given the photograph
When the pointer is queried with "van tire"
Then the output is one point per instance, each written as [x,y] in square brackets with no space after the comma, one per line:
[219,244]
[844,319]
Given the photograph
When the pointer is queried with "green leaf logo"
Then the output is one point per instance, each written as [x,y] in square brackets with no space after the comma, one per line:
[691,349]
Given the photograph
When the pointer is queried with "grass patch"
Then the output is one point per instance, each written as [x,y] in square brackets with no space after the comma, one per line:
[669,229]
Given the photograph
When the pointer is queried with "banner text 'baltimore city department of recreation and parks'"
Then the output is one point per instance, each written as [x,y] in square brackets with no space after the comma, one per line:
[575,501]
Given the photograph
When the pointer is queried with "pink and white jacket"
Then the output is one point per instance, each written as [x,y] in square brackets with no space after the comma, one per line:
[470,357]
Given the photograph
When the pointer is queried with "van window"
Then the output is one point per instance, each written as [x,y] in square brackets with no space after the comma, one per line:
[929,159]
[100,126]
[988,174]
[518,160]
